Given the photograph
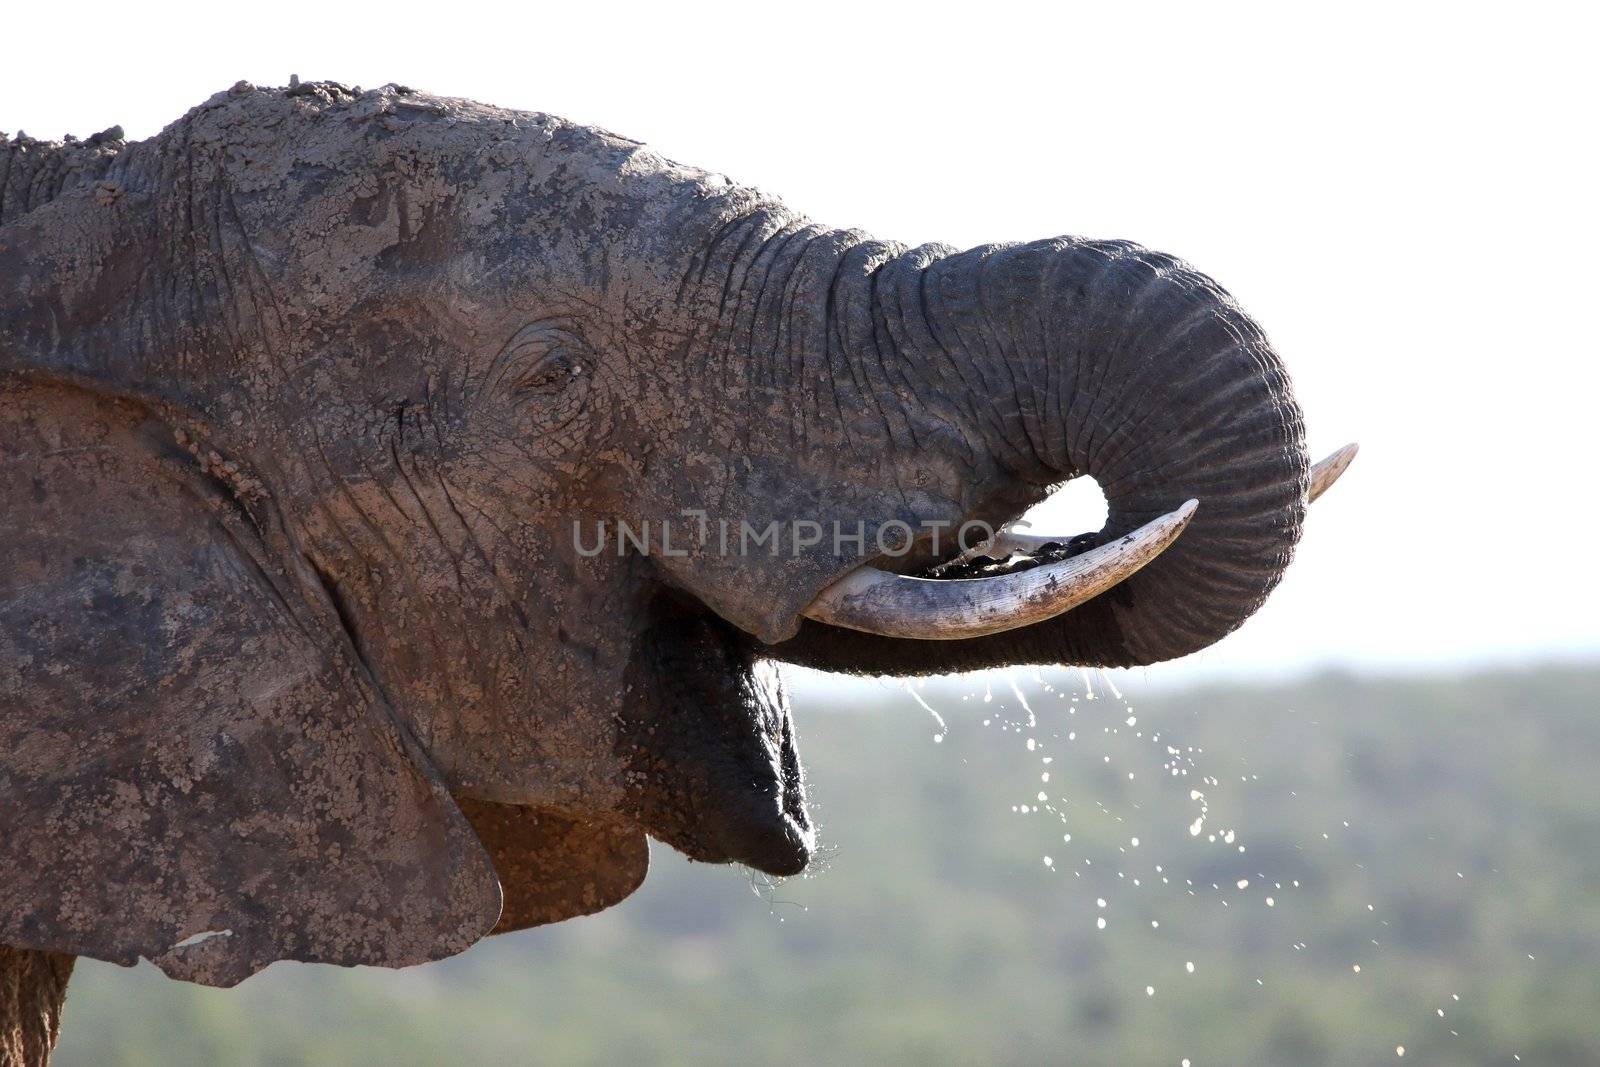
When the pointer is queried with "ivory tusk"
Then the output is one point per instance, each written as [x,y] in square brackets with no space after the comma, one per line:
[1327,472]
[892,605]
[1009,541]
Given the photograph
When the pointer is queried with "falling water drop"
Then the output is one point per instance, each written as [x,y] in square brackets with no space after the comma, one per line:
[937,718]
[1033,720]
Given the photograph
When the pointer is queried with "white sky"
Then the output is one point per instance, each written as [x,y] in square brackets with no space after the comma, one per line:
[1403,197]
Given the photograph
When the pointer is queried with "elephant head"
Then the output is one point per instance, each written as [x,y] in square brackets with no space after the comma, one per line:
[405,496]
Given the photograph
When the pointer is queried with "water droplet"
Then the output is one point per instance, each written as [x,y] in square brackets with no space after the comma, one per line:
[929,709]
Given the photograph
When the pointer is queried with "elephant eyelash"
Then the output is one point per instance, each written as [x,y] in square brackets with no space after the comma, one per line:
[553,373]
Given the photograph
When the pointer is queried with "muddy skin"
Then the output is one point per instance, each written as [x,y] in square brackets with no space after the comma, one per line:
[300,402]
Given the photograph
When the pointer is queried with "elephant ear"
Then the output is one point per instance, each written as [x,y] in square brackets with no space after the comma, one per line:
[195,767]
[556,866]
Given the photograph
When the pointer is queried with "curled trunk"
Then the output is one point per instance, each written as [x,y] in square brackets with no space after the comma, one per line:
[1108,360]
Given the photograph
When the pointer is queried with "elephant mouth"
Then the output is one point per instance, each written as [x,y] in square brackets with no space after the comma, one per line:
[713,762]
[1011,580]
[712,756]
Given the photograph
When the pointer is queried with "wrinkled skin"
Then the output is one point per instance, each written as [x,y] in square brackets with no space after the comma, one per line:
[301,399]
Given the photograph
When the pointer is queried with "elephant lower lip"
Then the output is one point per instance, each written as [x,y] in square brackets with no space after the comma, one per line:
[779,849]
[763,838]
[713,767]
[776,839]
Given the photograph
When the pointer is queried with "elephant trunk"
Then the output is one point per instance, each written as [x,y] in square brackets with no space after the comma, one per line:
[1104,359]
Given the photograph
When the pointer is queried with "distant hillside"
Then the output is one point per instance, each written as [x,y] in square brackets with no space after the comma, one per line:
[1440,835]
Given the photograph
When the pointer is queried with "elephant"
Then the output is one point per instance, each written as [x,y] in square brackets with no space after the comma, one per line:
[369,462]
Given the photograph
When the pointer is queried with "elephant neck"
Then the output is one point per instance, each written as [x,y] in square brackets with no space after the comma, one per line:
[33,988]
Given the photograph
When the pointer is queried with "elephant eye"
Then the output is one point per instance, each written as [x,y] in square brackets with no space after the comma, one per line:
[552,373]
[545,372]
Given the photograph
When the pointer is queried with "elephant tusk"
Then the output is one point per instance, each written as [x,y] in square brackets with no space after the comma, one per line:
[930,609]
[1008,542]
[1327,472]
